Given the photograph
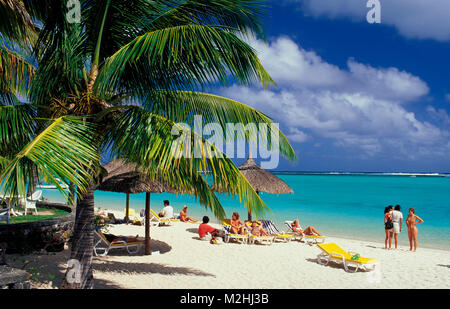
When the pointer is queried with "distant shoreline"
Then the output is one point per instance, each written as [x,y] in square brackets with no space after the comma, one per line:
[362,173]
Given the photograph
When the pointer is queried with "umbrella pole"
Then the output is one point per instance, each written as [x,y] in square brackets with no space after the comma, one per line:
[250,210]
[127,213]
[147,224]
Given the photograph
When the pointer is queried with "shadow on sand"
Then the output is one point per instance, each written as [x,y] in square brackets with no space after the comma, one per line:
[155,245]
[147,268]
[192,230]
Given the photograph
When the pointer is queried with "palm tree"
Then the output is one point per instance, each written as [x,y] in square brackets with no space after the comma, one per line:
[120,81]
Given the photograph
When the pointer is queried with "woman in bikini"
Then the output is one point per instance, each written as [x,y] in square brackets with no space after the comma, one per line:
[310,230]
[388,232]
[411,222]
[184,217]
[257,229]
[237,227]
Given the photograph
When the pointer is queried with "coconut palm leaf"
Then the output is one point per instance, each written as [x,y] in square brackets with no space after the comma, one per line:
[243,15]
[167,150]
[183,106]
[15,21]
[181,57]
[61,69]
[65,150]
[17,127]
[16,71]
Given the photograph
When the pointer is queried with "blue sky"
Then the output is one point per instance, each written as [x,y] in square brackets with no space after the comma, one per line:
[354,96]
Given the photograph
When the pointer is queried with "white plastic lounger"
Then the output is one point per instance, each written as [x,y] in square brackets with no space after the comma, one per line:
[309,239]
[157,220]
[30,202]
[230,236]
[102,246]
[263,240]
[271,228]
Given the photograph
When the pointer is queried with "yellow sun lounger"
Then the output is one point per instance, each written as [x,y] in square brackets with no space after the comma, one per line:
[271,228]
[102,246]
[309,239]
[259,239]
[332,252]
[229,236]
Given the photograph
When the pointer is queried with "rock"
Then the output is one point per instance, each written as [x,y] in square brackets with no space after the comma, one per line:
[14,278]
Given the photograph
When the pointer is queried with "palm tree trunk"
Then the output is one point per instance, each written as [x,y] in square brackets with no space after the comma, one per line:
[82,242]
[32,183]
[147,224]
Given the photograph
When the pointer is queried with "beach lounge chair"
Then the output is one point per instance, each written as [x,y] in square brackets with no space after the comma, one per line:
[227,236]
[309,239]
[4,216]
[30,202]
[132,216]
[332,252]
[271,228]
[156,219]
[114,220]
[263,240]
[102,246]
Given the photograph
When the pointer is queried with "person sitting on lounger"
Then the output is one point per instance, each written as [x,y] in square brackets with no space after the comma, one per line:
[167,211]
[184,217]
[205,228]
[237,227]
[258,230]
[310,230]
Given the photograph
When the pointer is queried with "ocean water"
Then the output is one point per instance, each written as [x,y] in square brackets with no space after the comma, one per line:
[343,205]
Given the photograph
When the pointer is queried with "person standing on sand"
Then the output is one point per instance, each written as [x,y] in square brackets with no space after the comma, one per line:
[397,220]
[411,221]
[388,226]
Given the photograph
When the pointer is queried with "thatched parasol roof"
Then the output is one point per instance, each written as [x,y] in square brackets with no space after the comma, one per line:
[125,178]
[262,180]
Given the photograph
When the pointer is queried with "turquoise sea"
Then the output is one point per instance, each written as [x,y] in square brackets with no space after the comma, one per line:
[344,205]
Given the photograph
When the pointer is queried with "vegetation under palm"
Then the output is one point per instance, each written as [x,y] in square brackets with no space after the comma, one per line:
[118,82]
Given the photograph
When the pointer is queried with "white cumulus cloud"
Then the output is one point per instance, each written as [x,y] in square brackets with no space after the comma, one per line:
[421,19]
[361,107]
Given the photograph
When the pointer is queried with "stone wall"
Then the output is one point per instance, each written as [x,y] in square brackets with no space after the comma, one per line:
[30,236]
[13,278]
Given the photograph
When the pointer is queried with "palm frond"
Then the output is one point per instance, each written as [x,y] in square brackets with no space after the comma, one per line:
[242,15]
[181,57]
[15,21]
[159,147]
[64,150]
[17,127]
[183,106]
[16,72]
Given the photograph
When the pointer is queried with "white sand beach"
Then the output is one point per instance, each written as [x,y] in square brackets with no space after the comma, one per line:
[186,262]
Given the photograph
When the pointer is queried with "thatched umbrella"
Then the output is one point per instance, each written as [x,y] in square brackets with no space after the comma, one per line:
[126,178]
[261,180]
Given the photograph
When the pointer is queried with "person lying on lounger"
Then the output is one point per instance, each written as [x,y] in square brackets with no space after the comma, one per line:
[258,230]
[310,230]
[237,227]
[113,238]
[184,217]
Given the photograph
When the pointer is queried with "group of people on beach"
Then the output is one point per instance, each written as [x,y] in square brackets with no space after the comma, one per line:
[393,224]
[167,212]
[255,228]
